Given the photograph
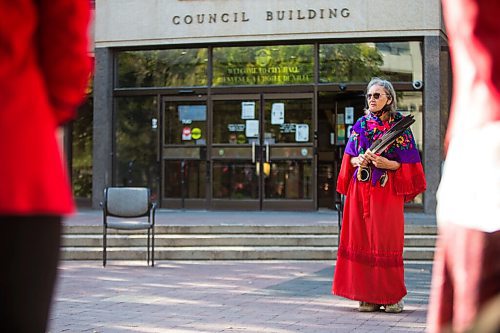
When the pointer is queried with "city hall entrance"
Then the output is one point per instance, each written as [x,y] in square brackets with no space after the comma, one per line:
[239,152]
[247,127]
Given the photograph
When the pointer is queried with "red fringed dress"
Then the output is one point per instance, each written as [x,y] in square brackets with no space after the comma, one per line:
[370,256]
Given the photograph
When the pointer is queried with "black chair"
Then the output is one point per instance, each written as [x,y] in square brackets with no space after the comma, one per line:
[121,208]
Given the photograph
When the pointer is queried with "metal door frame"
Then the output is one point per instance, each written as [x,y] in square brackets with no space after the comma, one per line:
[208,202]
[291,204]
[227,204]
[181,203]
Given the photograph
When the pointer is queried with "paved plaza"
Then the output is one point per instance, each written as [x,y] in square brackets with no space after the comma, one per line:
[221,296]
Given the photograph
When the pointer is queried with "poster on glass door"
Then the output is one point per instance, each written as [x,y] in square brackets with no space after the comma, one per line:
[247,110]
[301,133]
[278,114]
[252,128]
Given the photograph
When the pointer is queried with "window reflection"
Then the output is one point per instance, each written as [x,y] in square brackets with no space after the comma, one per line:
[162,68]
[359,62]
[259,65]
[184,179]
[235,180]
[135,142]
[410,102]
[82,136]
[289,180]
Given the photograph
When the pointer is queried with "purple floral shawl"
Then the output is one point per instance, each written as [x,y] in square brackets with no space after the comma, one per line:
[368,129]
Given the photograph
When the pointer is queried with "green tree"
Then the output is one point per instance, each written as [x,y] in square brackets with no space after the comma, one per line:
[81,173]
[349,62]
[163,68]
[135,141]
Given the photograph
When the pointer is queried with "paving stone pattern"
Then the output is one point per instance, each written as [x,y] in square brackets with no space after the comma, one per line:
[221,296]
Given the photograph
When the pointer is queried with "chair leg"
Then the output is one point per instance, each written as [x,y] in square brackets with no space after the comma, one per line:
[104,247]
[149,235]
[152,246]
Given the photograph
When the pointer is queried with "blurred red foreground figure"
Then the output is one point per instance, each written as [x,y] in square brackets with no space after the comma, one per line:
[465,295]
[44,70]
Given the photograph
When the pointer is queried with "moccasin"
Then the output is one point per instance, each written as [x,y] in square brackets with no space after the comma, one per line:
[394,308]
[368,307]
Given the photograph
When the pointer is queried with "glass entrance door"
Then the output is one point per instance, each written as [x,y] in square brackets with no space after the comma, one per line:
[184,153]
[262,152]
[288,139]
[337,112]
[236,153]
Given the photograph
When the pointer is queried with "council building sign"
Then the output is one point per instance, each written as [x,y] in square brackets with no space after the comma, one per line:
[279,15]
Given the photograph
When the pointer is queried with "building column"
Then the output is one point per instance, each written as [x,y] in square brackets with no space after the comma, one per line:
[103,125]
[436,108]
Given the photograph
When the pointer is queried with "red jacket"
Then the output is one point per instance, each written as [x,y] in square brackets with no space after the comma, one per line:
[44,69]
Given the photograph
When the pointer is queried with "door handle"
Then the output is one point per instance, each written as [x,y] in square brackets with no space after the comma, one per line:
[267,152]
[253,152]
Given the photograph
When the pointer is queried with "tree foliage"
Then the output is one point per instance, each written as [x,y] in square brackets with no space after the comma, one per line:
[249,65]
[163,68]
[82,134]
[349,62]
[136,142]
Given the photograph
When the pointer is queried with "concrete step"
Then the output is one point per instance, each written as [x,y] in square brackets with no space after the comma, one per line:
[225,253]
[180,240]
[229,242]
[241,229]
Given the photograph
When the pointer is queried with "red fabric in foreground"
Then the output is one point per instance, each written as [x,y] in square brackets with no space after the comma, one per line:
[44,69]
[466,276]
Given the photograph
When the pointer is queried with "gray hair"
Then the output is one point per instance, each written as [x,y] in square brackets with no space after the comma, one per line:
[389,89]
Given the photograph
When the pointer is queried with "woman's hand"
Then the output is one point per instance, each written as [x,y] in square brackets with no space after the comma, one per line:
[381,162]
[360,160]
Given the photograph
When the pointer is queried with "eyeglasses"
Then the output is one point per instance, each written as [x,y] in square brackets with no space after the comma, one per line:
[375,95]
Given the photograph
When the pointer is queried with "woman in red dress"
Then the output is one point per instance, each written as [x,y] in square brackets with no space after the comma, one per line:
[44,70]
[369,265]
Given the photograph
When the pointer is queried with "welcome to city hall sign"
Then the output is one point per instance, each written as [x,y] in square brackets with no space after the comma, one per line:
[288,15]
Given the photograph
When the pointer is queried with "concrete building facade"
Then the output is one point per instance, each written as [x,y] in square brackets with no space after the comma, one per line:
[247,104]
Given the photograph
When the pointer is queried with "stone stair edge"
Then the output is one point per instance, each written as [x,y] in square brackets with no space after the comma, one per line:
[229,236]
[241,229]
[211,248]
[287,253]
